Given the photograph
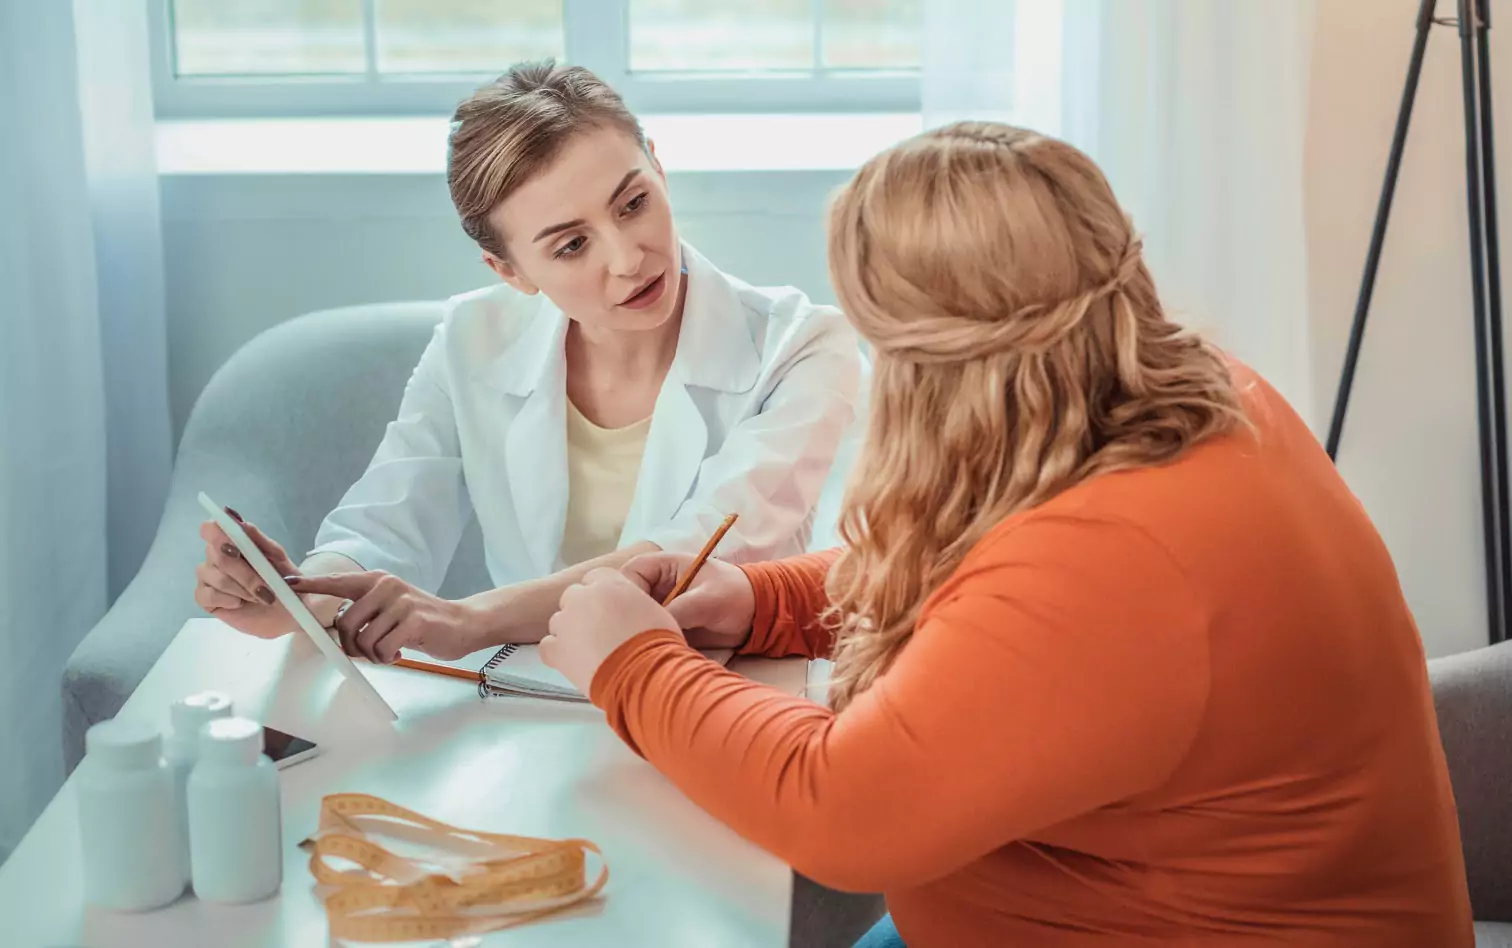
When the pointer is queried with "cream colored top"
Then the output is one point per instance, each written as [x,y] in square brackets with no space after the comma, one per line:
[602,467]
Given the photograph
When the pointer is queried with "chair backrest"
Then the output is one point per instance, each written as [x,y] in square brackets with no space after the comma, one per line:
[292,420]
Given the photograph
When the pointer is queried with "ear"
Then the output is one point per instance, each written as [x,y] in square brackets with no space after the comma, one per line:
[655,161]
[509,274]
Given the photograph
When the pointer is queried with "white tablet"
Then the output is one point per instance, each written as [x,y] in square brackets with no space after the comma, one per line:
[296,606]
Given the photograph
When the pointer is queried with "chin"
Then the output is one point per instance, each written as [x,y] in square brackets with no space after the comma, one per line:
[643,320]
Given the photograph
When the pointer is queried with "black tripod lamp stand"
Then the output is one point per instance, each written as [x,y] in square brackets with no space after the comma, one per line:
[1474,22]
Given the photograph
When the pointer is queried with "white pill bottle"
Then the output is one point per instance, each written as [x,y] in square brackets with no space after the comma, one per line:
[187,717]
[235,829]
[128,819]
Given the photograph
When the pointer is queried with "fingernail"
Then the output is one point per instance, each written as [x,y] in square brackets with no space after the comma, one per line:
[265,594]
[293,580]
[229,550]
[235,516]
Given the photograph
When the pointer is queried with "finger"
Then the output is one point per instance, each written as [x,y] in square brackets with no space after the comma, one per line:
[368,637]
[570,595]
[212,534]
[207,575]
[213,600]
[355,617]
[604,574]
[693,609]
[386,646]
[657,573]
[341,585]
[634,579]
[271,550]
[343,638]
[547,650]
[226,560]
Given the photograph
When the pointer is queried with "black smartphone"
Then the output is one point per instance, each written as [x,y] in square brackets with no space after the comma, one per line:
[285,749]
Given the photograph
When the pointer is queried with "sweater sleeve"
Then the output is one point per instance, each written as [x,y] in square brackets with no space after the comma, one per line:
[1060,670]
[789,602]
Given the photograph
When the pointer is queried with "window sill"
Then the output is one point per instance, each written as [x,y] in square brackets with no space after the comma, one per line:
[417,145]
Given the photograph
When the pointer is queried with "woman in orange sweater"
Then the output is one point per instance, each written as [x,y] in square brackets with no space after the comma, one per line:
[1118,657]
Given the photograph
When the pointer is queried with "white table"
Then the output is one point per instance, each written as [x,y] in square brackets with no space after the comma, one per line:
[538,768]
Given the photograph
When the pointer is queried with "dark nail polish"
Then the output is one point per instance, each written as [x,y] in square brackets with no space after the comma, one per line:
[293,580]
[229,550]
[265,594]
[235,516]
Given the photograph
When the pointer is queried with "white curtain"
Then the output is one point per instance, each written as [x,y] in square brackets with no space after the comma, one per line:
[1195,110]
[84,431]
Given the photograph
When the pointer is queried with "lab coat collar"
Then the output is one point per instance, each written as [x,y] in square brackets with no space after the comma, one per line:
[714,345]
[536,356]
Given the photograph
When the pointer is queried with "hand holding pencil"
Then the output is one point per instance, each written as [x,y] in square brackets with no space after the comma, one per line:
[667,577]
[611,607]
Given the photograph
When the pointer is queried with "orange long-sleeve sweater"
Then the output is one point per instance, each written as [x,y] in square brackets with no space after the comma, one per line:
[1183,705]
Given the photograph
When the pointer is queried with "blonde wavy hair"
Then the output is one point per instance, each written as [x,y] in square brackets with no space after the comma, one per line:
[1020,350]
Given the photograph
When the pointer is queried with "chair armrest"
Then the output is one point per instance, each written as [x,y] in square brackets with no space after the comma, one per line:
[1472,694]
[123,646]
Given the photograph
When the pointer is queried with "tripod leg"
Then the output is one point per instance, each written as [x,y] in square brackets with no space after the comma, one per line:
[1493,291]
[1378,232]
[1491,499]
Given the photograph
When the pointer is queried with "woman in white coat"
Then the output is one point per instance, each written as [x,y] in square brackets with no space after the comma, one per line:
[616,395]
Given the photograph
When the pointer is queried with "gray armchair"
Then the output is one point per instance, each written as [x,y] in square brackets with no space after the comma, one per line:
[279,433]
[1472,694]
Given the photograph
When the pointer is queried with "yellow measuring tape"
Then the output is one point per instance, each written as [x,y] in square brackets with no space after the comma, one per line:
[467,883]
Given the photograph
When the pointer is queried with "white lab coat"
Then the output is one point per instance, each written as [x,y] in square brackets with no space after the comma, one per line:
[763,385]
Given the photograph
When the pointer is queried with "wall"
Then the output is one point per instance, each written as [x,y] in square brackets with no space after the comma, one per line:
[246,252]
[1409,449]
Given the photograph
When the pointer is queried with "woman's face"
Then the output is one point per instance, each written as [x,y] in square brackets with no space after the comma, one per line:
[594,233]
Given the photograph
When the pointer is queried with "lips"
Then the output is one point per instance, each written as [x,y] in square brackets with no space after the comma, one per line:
[648,293]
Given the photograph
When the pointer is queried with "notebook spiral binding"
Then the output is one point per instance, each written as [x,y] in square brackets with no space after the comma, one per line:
[484,689]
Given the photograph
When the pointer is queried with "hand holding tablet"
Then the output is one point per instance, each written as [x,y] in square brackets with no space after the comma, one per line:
[296,607]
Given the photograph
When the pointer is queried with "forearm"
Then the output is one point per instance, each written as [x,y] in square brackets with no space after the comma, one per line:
[323,564]
[790,601]
[519,613]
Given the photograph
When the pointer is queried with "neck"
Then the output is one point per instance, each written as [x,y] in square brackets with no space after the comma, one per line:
[628,354]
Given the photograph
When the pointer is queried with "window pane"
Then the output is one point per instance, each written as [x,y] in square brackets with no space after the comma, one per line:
[873,34]
[238,37]
[732,35]
[483,36]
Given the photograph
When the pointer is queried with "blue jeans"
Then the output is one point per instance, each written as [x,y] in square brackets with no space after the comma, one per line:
[884,934]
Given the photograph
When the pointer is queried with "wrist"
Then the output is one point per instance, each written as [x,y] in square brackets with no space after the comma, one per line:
[487,617]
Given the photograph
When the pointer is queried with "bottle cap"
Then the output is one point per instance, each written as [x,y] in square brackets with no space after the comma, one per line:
[231,741]
[123,744]
[192,712]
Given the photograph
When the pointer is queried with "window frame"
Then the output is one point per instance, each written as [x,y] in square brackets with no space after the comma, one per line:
[596,34]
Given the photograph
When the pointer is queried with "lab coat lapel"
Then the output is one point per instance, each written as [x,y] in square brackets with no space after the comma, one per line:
[535,449]
[674,451]
[715,353]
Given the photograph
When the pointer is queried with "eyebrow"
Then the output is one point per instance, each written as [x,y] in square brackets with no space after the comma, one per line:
[578,222]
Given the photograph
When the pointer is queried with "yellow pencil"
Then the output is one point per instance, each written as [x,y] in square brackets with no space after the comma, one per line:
[699,560]
[436,669]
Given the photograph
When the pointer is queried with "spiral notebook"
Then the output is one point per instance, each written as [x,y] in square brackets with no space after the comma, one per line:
[517,670]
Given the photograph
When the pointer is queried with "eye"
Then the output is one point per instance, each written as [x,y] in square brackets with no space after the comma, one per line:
[636,203]
[571,248]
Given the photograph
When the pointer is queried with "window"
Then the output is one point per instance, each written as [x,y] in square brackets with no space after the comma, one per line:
[314,57]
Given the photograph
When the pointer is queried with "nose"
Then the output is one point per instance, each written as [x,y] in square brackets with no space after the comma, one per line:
[625,255]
